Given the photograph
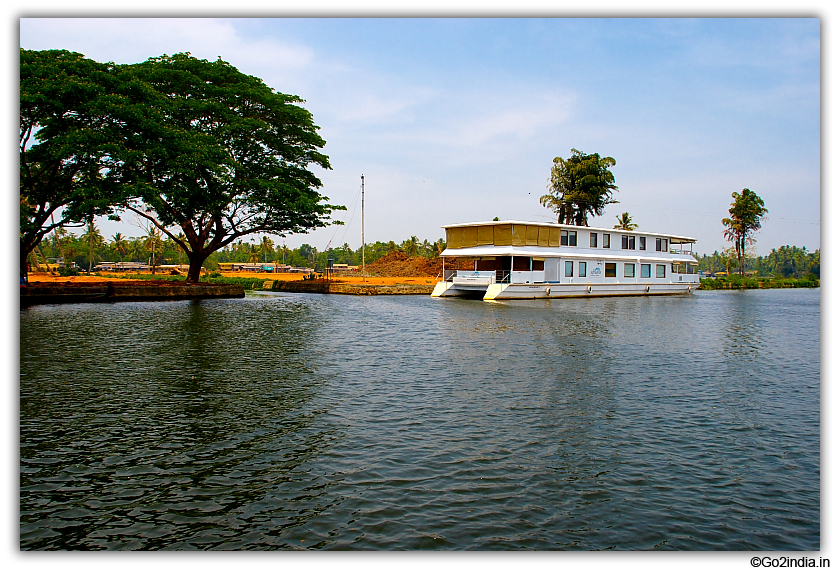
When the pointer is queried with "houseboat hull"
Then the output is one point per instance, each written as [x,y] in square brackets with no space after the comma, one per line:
[503,291]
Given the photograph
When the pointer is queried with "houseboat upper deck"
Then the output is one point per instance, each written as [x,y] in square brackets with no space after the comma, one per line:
[526,260]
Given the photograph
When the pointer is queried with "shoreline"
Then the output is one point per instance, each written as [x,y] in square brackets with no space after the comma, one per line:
[45,293]
[50,289]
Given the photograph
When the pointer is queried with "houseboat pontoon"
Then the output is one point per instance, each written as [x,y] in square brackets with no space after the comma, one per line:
[533,260]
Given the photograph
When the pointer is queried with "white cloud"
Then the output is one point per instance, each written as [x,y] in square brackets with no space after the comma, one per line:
[131,40]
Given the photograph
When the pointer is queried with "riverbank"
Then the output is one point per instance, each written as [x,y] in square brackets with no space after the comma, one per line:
[104,291]
[738,282]
[46,288]
[348,288]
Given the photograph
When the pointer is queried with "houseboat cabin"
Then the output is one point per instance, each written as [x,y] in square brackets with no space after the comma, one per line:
[532,260]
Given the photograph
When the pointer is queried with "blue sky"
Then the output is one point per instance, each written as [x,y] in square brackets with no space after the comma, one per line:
[457,120]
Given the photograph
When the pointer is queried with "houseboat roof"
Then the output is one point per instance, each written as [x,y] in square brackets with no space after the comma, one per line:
[491,251]
[674,239]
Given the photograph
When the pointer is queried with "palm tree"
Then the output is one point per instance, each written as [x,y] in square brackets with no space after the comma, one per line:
[253,254]
[284,250]
[93,239]
[411,246]
[267,248]
[428,249]
[58,235]
[625,222]
[181,237]
[153,243]
[119,244]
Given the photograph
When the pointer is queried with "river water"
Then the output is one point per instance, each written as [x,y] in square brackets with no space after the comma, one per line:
[296,421]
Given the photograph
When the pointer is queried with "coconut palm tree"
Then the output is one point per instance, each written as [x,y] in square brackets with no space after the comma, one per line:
[93,239]
[411,246]
[153,243]
[625,222]
[267,248]
[119,244]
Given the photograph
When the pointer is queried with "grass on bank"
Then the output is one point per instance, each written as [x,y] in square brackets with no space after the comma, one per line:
[748,282]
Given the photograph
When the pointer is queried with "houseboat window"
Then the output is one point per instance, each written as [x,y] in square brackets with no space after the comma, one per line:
[593,240]
[660,271]
[609,269]
[521,263]
[628,242]
[570,269]
[538,265]
[642,242]
[661,244]
[629,269]
[582,269]
[568,237]
[682,268]
[606,240]
[645,270]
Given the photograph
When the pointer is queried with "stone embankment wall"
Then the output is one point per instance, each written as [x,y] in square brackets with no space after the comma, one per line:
[318,286]
[38,294]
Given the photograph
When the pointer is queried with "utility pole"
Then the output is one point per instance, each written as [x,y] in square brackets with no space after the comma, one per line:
[363,227]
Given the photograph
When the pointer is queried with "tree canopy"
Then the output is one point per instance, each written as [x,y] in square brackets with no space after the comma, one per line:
[744,220]
[203,152]
[71,123]
[580,186]
[230,157]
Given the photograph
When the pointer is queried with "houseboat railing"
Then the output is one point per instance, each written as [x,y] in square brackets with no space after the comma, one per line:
[502,276]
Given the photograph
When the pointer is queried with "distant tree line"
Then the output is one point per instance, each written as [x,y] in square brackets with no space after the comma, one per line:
[88,249]
[787,261]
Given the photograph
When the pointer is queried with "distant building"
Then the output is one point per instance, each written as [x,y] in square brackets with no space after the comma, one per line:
[230,266]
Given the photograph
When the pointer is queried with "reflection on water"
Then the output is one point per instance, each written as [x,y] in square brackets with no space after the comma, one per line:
[333,422]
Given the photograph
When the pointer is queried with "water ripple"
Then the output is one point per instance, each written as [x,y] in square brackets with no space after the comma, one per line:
[332,422]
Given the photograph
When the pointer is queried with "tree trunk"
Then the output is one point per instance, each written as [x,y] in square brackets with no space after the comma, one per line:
[196,261]
[26,248]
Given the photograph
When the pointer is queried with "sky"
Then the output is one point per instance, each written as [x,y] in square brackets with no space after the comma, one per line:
[455,120]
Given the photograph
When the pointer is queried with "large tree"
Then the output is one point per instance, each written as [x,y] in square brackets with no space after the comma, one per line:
[72,112]
[580,186]
[744,220]
[224,156]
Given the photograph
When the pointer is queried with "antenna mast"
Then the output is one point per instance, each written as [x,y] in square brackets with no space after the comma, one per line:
[363,227]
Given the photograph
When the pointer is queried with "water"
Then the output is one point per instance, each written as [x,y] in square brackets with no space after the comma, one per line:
[334,422]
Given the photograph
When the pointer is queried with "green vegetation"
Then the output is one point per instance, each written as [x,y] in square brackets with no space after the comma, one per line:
[786,262]
[745,219]
[183,143]
[73,248]
[579,187]
[742,282]
[68,169]
[625,222]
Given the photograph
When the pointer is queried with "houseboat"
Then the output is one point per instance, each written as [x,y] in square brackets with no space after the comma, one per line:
[532,260]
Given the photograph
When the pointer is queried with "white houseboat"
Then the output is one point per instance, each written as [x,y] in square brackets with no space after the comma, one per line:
[533,260]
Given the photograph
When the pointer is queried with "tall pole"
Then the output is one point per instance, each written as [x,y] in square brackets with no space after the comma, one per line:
[363,227]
